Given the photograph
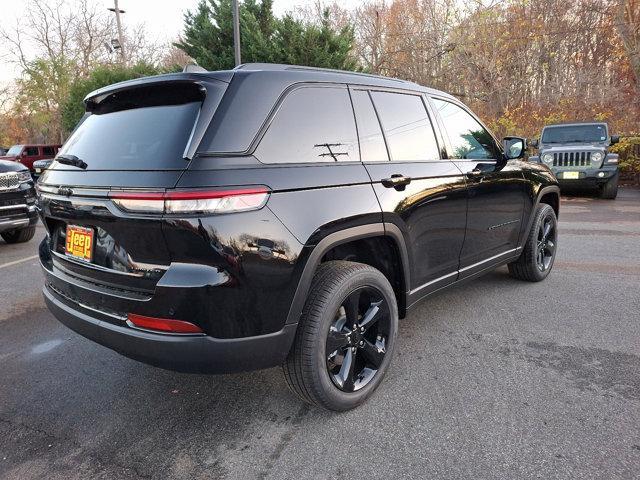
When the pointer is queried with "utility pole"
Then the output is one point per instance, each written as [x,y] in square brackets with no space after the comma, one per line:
[236,31]
[119,24]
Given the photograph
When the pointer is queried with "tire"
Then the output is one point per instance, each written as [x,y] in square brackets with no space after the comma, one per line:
[19,236]
[539,246]
[320,375]
[609,190]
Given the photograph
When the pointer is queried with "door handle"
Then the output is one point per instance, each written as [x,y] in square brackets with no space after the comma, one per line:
[397,181]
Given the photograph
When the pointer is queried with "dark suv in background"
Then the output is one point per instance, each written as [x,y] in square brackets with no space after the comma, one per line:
[234,220]
[578,154]
[18,211]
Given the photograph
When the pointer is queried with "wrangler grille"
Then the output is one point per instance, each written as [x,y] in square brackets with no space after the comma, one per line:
[572,159]
[9,181]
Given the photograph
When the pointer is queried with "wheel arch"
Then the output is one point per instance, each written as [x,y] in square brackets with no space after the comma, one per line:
[352,237]
[549,195]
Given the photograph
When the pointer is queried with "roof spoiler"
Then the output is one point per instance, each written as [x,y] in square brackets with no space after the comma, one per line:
[193,68]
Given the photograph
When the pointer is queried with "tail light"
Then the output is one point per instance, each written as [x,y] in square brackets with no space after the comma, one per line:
[165,325]
[192,202]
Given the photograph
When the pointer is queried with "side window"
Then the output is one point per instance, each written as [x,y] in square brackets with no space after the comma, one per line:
[313,124]
[406,125]
[31,151]
[468,138]
[372,146]
[48,151]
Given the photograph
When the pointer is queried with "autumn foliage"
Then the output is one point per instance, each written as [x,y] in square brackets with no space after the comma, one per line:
[520,64]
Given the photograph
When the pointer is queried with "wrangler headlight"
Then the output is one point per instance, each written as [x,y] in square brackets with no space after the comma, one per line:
[547,158]
[596,158]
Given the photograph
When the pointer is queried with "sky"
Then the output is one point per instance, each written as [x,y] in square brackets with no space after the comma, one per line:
[163,19]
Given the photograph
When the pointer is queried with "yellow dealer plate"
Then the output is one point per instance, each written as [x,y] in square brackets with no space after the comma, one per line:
[79,242]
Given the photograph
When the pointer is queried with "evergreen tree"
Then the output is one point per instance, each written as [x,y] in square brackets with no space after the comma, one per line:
[208,37]
[73,108]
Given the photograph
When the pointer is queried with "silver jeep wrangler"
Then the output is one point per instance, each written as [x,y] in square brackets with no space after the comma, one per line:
[577,153]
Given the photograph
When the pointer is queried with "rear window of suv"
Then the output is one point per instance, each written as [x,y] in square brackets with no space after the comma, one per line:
[141,129]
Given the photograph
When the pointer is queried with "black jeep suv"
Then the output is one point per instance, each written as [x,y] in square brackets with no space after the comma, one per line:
[18,215]
[235,220]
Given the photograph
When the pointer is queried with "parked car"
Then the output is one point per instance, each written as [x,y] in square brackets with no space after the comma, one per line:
[578,154]
[18,215]
[27,154]
[235,220]
[40,166]
[3,151]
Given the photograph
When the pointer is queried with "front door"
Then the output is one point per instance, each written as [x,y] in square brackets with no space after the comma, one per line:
[496,189]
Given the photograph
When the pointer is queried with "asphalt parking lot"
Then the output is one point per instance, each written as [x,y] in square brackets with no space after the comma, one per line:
[494,379]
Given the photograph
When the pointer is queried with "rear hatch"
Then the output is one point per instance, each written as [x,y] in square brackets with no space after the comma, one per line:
[136,136]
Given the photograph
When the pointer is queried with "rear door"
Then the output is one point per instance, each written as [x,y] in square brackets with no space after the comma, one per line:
[136,140]
[496,189]
[421,193]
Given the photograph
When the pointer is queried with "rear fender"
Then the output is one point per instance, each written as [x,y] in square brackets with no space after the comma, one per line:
[315,254]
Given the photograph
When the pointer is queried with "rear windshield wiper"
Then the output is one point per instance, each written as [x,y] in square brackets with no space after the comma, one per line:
[71,160]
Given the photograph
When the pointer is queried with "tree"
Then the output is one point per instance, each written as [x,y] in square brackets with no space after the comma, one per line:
[73,107]
[628,23]
[55,43]
[208,37]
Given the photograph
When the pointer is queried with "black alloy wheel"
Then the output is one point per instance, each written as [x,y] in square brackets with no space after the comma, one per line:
[357,339]
[539,251]
[345,337]
[546,245]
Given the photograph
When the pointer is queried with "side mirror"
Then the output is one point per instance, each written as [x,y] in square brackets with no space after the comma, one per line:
[534,142]
[514,147]
[615,139]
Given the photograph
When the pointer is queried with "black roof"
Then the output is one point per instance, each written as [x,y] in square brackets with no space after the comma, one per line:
[285,73]
[250,93]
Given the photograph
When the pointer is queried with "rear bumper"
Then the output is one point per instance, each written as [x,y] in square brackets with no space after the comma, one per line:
[183,353]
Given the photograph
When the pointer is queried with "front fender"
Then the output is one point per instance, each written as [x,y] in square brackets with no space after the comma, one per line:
[541,192]
[612,159]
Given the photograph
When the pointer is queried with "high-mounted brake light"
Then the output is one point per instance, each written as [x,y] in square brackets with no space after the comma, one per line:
[192,201]
[166,325]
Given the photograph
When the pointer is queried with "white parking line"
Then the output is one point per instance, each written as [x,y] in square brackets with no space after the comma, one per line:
[33,257]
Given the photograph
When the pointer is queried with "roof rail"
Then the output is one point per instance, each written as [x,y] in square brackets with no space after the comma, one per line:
[282,67]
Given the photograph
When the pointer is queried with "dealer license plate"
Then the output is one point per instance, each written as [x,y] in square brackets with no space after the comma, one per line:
[79,242]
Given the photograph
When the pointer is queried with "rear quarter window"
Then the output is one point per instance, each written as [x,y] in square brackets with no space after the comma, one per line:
[313,124]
